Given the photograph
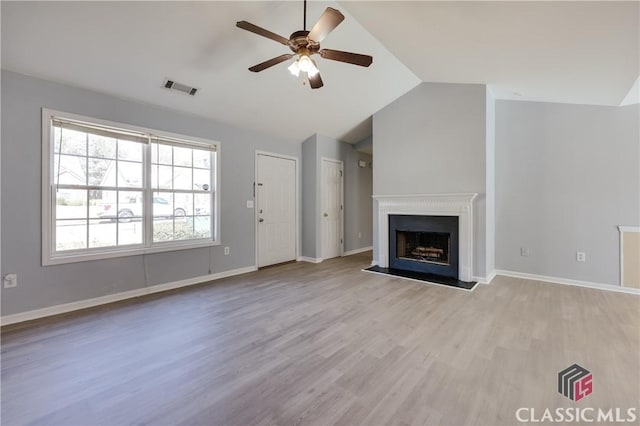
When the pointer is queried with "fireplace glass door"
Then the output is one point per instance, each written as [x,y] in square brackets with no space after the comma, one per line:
[429,247]
[426,244]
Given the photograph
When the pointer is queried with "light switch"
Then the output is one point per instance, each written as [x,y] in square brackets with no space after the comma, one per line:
[249,204]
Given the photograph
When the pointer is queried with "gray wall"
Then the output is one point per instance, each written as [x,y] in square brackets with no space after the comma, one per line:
[490,190]
[566,176]
[38,286]
[309,196]
[433,140]
[357,194]
[358,188]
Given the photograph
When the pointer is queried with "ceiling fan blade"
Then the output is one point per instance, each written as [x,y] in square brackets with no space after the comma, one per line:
[261,31]
[329,20]
[348,57]
[316,81]
[271,62]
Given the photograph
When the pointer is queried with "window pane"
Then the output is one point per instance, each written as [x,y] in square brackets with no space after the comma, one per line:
[165,177]
[201,159]
[161,154]
[73,142]
[202,226]
[97,202]
[183,229]
[129,174]
[101,146]
[201,179]
[202,204]
[182,178]
[102,172]
[106,207]
[182,156]
[130,232]
[183,204]
[163,204]
[70,170]
[71,234]
[71,204]
[101,233]
[162,229]
[131,151]
[130,206]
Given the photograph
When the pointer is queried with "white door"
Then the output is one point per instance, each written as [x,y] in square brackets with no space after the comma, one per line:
[331,189]
[276,205]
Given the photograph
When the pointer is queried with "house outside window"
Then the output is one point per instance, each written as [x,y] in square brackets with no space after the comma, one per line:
[111,189]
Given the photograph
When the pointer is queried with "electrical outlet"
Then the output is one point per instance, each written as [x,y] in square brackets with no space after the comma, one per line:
[10,280]
[524,252]
[581,256]
[227,250]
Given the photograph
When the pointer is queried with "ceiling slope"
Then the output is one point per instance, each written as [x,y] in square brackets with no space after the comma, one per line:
[574,52]
[128,49]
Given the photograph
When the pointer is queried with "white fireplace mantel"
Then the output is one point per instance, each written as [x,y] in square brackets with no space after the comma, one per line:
[460,205]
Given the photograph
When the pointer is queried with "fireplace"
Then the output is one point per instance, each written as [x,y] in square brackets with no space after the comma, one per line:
[427,244]
[456,206]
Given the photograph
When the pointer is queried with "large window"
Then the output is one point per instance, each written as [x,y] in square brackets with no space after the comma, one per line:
[113,190]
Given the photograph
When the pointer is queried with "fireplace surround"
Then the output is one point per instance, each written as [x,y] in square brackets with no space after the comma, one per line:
[458,205]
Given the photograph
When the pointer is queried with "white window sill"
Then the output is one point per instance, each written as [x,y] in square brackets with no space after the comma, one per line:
[60,259]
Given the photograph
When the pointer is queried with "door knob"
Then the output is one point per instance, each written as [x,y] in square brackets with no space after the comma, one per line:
[261,220]
[326,215]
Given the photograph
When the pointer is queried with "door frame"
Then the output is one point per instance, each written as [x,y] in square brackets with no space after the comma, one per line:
[255,200]
[333,160]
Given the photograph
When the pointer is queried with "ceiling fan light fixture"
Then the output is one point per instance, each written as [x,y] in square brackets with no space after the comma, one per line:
[294,68]
[304,62]
[313,70]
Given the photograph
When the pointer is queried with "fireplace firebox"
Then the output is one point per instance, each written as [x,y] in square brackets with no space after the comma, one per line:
[427,244]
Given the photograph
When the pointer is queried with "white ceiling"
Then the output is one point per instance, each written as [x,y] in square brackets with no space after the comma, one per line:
[575,52]
[129,48]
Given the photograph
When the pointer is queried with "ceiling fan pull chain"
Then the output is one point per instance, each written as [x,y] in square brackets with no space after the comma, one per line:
[304,19]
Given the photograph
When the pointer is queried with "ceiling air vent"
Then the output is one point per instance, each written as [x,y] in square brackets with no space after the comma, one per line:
[170,84]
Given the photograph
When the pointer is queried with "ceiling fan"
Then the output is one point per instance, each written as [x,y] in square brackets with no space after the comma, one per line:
[304,44]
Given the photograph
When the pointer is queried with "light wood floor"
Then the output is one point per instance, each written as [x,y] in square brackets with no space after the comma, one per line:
[322,344]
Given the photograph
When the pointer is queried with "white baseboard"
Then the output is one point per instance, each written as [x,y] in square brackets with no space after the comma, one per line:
[485,280]
[310,259]
[356,251]
[566,281]
[110,298]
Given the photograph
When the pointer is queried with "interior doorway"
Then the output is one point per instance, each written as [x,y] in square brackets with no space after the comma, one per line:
[331,184]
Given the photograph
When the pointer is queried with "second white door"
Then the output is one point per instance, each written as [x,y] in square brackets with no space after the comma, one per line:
[276,204]
[331,190]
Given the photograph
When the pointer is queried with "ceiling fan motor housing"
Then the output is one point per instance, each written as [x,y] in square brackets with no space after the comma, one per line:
[300,40]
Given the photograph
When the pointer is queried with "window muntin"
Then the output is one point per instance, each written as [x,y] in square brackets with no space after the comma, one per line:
[116,190]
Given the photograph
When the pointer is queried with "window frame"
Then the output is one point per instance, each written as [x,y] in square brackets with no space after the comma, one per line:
[52,257]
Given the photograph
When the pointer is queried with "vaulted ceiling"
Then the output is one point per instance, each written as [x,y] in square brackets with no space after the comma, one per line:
[576,52]
[580,52]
